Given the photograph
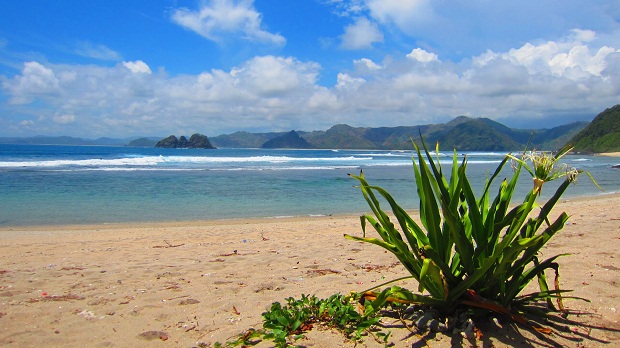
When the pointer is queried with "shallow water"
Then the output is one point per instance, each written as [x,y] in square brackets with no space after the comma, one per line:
[99,184]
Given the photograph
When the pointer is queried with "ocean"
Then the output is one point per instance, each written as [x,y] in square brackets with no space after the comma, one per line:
[54,185]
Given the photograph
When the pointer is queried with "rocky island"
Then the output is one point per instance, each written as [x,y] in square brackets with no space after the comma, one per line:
[196,141]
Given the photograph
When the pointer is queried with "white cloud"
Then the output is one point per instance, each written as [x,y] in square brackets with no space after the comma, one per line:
[35,80]
[138,67]
[26,123]
[583,35]
[64,119]
[366,63]
[271,75]
[346,8]
[218,18]
[347,82]
[422,56]
[551,79]
[361,35]
[402,13]
[569,57]
[100,52]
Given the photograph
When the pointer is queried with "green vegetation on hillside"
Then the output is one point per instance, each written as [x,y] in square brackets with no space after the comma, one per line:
[602,135]
[290,140]
[464,133]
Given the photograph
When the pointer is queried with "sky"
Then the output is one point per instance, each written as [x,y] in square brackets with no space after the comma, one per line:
[158,67]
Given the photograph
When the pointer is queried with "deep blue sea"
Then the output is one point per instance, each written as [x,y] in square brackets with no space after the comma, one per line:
[45,184]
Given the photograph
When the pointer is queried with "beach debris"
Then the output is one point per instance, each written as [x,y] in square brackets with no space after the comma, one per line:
[321,272]
[370,267]
[168,245]
[72,268]
[154,335]
[236,311]
[268,287]
[127,300]
[468,329]
[495,322]
[188,301]
[235,252]
[45,297]
[178,297]
[90,315]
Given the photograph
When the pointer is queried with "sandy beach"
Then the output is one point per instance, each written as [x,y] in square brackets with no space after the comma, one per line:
[183,284]
[609,154]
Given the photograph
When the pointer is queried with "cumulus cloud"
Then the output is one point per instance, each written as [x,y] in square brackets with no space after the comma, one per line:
[217,19]
[35,80]
[422,56]
[361,35]
[138,67]
[570,57]
[573,74]
[366,63]
[347,82]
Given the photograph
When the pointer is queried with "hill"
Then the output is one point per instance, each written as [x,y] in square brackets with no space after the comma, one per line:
[196,141]
[44,140]
[463,133]
[143,142]
[601,135]
[73,141]
[290,140]
[244,139]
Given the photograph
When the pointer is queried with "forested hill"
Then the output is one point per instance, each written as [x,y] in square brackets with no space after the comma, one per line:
[463,133]
[601,135]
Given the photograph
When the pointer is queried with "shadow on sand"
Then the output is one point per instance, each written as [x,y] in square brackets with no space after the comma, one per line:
[578,329]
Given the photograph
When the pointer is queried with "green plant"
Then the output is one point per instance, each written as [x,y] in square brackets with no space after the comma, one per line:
[283,323]
[469,251]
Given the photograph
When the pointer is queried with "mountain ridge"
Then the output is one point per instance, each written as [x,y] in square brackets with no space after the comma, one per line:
[462,133]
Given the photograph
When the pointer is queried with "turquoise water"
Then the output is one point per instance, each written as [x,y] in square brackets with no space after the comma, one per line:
[98,184]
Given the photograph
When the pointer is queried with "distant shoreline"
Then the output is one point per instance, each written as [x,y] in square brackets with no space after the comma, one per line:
[609,154]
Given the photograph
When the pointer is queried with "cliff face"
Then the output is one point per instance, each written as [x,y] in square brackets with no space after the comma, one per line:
[196,141]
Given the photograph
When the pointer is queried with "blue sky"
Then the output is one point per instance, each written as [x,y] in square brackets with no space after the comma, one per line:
[158,67]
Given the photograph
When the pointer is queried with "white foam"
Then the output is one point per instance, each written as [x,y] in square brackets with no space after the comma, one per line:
[163,160]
